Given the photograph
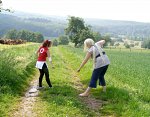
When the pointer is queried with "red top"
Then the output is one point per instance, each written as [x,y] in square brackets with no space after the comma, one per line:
[42,53]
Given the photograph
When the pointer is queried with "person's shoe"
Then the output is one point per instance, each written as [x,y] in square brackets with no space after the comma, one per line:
[84,94]
[50,87]
[39,88]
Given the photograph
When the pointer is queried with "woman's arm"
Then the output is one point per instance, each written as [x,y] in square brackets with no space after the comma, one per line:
[101,42]
[49,57]
[87,57]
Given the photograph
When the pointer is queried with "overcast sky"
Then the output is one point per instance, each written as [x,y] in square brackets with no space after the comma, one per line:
[134,10]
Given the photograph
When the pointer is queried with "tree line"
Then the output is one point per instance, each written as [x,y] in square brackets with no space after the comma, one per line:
[146,44]
[24,35]
[77,31]
[49,28]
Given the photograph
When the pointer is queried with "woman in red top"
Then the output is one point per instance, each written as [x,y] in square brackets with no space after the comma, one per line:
[43,53]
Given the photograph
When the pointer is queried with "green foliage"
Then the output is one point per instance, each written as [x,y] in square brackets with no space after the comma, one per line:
[133,30]
[137,43]
[146,44]
[107,39]
[127,45]
[12,34]
[49,27]
[77,31]
[84,34]
[54,26]
[132,45]
[16,66]
[36,37]
[24,35]
[55,42]
[117,44]
[75,25]
[112,42]
[63,40]
[97,36]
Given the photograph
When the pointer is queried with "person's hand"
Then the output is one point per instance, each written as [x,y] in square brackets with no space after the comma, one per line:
[52,64]
[78,70]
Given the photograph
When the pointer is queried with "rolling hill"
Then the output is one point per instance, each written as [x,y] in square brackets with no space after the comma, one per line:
[53,26]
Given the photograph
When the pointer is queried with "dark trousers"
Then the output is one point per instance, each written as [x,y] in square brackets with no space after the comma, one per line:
[45,71]
[98,74]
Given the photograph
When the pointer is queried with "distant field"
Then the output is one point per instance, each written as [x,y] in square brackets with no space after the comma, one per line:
[129,77]
[2,46]
[128,49]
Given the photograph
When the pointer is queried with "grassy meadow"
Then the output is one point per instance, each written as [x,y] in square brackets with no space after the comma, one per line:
[16,67]
[127,79]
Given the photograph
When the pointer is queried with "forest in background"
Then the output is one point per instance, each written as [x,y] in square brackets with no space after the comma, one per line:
[53,26]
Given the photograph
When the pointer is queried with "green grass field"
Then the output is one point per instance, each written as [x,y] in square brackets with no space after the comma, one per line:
[16,67]
[127,79]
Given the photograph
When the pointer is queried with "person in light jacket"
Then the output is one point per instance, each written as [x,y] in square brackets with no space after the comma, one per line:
[100,64]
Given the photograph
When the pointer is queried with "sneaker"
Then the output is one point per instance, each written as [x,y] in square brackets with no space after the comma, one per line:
[39,88]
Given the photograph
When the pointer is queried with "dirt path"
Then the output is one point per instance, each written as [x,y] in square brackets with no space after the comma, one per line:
[26,105]
[91,102]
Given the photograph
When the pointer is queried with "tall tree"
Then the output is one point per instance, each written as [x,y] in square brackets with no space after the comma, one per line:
[55,42]
[106,38]
[63,40]
[12,34]
[146,44]
[84,34]
[97,36]
[78,31]
[38,37]
[74,28]
[24,35]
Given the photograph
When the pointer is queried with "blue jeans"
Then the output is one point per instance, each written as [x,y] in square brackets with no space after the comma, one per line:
[98,74]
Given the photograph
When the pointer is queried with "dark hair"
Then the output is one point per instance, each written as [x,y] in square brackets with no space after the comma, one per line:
[47,43]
